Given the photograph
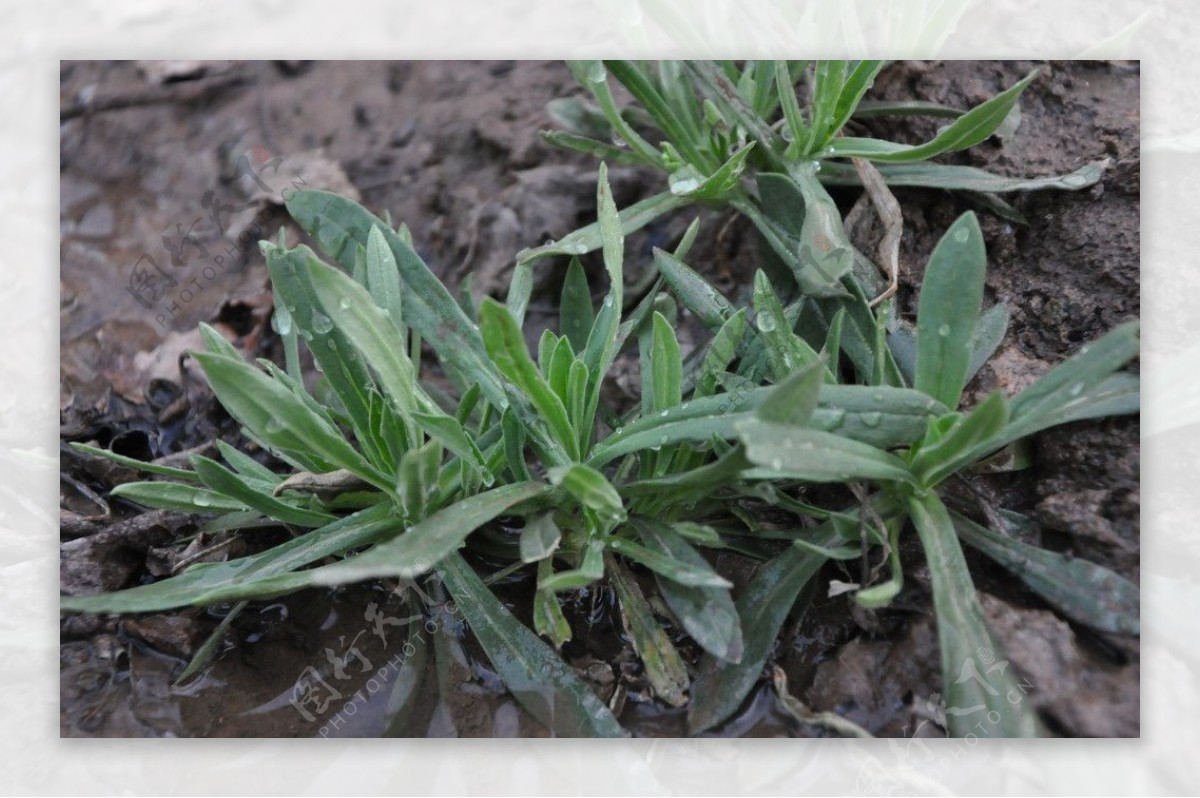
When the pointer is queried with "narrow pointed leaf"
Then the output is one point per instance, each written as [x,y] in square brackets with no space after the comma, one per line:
[536,675]
[976,678]
[948,311]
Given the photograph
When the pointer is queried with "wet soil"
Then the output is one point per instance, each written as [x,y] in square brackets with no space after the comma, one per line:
[451,149]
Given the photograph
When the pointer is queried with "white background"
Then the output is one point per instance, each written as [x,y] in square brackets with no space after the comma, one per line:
[35,34]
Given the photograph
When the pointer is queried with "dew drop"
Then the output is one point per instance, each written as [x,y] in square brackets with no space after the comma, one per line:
[776,463]
[871,419]
[766,322]
[836,417]
[321,323]
[200,500]
[663,414]
[283,320]
[344,303]
[961,235]
[662,440]
[1076,389]
[944,331]
[274,426]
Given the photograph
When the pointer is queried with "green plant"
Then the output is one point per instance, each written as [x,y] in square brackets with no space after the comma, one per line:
[951,341]
[393,476]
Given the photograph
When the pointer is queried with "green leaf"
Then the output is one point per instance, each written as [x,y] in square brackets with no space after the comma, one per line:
[690,574]
[537,677]
[968,130]
[721,352]
[1084,591]
[272,413]
[706,613]
[548,618]
[643,90]
[173,496]
[140,465]
[1068,386]
[976,678]
[694,292]
[506,345]
[348,377]
[794,400]
[540,537]
[963,178]
[417,479]
[789,452]
[246,465]
[247,577]
[937,460]
[721,686]
[667,364]
[339,225]
[808,235]
[427,543]
[594,77]
[226,482]
[575,310]
[588,239]
[383,278]
[860,79]
[948,311]
[989,333]
[785,350]
[688,181]
[601,150]
[590,488]
[664,668]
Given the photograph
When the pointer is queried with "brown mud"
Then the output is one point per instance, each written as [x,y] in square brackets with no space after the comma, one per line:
[452,150]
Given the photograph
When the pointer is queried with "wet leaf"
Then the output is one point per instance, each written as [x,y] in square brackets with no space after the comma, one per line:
[967,130]
[1084,591]
[227,483]
[540,537]
[721,686]
[976,678]
[590,488]
[173,496]
[694,292]
[537,676]
[216,583]
[690,574]
[790,452]
[948,311]
[706,613]
[548,618]
[272,413]
[575,309]
[664,668]
[140,465]
[506,346]
[964,178]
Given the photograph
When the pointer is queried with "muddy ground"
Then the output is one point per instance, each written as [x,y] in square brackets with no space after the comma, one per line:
[452,149]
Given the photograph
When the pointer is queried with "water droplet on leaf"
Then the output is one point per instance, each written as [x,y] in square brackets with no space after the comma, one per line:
[321,323]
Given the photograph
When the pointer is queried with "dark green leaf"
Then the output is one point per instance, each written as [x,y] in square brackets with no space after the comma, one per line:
[789,452]
[575,308]
[1084,591]
[721,686]
[969,129]
[707,613]
[948,311]
[537,677]
[976,678]
[226,482]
